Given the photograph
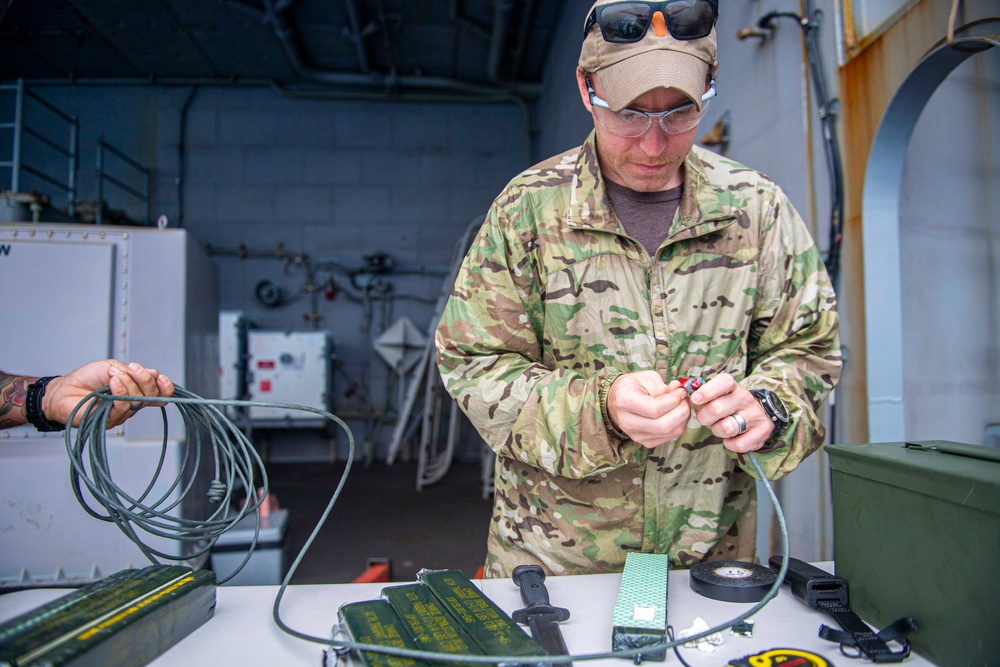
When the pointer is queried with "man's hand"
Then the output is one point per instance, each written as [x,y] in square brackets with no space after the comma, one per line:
[647,410]
[714,405]
[64,393]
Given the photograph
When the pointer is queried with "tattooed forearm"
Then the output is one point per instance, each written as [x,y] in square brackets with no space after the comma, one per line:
[13,389]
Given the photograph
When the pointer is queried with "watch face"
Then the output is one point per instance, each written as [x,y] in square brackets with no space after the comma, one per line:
[777,406]
[773,406]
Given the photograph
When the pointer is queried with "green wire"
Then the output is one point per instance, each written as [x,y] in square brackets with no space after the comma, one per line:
[203,411]
[433,656]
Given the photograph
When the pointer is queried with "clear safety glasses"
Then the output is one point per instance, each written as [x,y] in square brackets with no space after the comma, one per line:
[634,123]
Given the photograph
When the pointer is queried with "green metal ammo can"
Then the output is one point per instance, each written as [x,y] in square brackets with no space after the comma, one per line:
[916,531]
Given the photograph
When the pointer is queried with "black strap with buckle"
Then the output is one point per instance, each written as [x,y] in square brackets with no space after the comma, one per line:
[857,634]
[820,590]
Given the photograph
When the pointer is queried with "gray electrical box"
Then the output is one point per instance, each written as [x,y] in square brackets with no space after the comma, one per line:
[289,367]
[74,294]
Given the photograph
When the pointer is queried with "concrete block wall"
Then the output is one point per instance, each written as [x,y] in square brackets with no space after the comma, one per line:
[336,180]
[342,181]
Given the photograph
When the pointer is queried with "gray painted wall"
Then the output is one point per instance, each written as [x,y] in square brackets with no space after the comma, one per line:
[950,253]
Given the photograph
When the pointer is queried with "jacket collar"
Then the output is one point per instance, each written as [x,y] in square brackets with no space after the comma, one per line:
[703,207]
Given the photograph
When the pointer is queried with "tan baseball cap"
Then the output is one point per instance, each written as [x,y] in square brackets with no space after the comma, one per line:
[628,71]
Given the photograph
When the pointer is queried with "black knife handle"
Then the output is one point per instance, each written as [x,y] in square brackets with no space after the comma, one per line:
[531,580]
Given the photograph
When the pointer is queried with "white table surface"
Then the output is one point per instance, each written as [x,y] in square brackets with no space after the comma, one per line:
[243,633]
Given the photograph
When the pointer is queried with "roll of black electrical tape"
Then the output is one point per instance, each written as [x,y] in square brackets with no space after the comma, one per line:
[731,581]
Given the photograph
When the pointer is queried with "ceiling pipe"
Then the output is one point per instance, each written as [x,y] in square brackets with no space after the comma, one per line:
[183,28]
[355,34]
[360,91]
[90,23]
[474,27]
[501,26]
[273,15]
[386,38]
[527,19]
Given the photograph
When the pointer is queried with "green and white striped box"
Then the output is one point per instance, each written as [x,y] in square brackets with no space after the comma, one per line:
[641,611]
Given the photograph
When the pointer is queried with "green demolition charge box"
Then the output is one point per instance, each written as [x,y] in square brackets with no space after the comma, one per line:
[490,627]
[430,625]
[640,617]
[916,531]
[375,622]
[124,620]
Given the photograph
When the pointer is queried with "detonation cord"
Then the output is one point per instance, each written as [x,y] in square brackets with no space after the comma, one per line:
[237,461]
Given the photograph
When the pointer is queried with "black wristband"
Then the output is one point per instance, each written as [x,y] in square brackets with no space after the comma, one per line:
[33,406]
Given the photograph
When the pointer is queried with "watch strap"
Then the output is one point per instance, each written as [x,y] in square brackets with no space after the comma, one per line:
[33,406]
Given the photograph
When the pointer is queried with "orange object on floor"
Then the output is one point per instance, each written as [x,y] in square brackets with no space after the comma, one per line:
[377,572]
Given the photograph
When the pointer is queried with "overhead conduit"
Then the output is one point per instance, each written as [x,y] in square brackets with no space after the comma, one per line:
[392,83]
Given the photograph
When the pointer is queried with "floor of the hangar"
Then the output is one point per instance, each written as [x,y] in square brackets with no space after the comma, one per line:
[380,514]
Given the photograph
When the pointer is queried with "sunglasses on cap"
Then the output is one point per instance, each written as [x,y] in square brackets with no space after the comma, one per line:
[624,22]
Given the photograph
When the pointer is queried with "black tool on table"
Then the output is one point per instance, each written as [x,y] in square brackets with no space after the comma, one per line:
[538,614]
[821,590]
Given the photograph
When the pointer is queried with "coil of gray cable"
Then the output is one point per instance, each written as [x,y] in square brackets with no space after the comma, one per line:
[210,439]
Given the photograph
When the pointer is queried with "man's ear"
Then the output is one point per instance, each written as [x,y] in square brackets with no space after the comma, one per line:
[581,82]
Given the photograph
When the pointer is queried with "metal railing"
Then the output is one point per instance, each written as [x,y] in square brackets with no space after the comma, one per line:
[21,130]
[103,149]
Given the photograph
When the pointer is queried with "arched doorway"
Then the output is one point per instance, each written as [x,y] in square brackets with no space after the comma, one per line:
[881,231]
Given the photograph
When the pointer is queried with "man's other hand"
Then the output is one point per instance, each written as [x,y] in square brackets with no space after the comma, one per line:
[714,405]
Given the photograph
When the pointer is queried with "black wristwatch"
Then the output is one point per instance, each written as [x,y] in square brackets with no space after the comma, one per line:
[775,410]
[33,407]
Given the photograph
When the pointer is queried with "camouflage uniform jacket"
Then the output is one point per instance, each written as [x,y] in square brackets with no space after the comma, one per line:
[554,301]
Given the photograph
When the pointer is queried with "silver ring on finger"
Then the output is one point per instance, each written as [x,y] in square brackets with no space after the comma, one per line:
[740,422]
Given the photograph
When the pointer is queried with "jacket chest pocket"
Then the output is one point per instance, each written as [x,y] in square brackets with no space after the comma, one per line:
[708,289]
[597,313]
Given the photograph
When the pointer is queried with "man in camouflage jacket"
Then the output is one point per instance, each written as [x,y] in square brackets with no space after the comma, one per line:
[565,339]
